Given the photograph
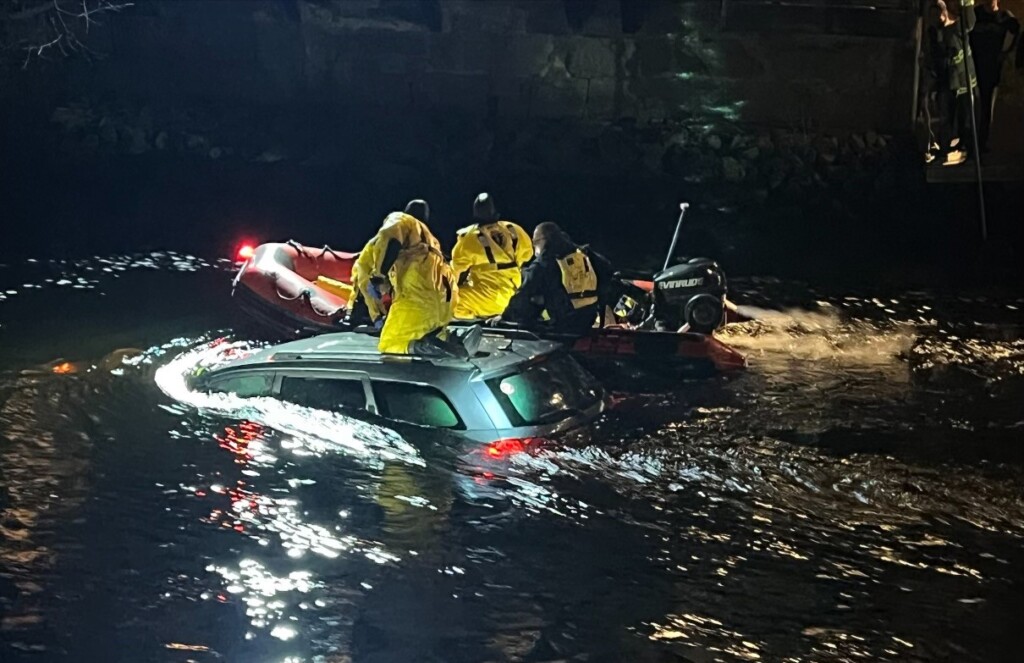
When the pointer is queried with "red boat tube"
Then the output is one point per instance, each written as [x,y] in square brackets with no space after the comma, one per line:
[653,350]
[279,287]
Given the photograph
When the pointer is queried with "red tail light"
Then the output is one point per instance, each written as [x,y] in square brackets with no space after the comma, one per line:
[510,446]
[245,252]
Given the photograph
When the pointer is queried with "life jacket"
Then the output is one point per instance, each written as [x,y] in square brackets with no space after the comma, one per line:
[579,279]
[493,244]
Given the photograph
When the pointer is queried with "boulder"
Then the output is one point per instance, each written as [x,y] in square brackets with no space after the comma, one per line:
[196,143]
[108,132]
[714,142]
[135,140]
[733,170]
[592,58]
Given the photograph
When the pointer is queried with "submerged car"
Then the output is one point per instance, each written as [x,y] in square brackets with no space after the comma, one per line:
[514,389]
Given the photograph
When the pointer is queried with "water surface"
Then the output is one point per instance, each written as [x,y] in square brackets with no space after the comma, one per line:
[856,495]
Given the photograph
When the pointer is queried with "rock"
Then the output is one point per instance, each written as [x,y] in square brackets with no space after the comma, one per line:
[108,133]
[271,156]
[764,143]
[592,58]
[714,142]
[651,157]
[882,143]
[680,138]
[738,141]
[733,170]
[161,140]
[871,138]
[752,153]
[135,140]
[216,153]
[196,143]
[857,142]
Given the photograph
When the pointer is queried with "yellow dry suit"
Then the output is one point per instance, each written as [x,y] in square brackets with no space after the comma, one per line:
[487,261]
[423,289]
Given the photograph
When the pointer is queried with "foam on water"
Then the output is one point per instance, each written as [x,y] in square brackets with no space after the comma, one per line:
[311,431]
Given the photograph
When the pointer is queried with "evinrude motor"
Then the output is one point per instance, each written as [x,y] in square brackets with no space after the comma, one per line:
[691,294]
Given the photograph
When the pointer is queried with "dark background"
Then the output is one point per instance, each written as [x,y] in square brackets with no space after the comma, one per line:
[198,124]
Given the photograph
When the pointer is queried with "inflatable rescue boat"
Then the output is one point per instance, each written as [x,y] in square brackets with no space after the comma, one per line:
[294,291]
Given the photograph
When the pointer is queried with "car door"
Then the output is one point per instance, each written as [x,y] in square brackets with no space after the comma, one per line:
[330,390]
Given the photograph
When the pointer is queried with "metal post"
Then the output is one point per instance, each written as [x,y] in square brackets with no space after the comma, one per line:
[974,124]
[675,237]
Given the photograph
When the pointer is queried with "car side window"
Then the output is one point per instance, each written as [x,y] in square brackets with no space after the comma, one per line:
[415,404]
[324,393]
[245,386]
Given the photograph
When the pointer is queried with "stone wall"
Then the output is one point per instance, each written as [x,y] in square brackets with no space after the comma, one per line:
[835,65]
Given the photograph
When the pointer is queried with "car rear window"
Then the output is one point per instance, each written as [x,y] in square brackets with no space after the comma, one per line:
[324,393]
[546,392]
[415,404]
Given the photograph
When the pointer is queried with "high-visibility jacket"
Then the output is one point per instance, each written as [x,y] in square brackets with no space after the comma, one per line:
[579,279]
[950,52]
[487,261]
[424,292]
[563,290]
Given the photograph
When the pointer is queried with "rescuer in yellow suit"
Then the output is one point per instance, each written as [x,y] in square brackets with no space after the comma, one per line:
[487,260]
[405,258]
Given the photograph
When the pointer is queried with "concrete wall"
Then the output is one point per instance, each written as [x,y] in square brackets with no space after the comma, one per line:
[831,66]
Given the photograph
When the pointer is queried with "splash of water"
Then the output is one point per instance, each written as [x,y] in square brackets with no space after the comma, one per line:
[820,335]
[311,432]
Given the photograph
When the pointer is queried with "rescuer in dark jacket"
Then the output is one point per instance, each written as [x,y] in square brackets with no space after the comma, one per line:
[994,38]
[953,80]
[562,288]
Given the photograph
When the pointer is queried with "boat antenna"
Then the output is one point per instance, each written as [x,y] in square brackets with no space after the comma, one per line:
[675,237]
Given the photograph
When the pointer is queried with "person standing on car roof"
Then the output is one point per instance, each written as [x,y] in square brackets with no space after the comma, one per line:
[487,260]
[562,288]
[405,259]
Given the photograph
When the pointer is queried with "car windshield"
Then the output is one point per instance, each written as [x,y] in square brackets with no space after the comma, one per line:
[546,392]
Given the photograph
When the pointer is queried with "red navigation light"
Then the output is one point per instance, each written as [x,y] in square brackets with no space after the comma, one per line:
[507,447]
[245,252]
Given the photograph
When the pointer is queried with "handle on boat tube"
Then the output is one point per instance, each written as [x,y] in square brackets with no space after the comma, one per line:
[327,249]
[298,247]
[675,237]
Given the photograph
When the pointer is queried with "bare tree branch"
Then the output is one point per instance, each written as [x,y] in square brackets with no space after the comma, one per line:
[40,28]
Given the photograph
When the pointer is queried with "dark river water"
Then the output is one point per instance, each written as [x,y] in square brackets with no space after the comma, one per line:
[855,495]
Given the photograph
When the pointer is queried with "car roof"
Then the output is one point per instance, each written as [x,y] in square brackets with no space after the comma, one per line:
[498,352]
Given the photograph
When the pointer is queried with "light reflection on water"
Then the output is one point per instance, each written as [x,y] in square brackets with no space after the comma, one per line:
[855,496]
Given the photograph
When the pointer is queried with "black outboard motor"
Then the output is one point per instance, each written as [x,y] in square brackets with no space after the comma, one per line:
[692,293]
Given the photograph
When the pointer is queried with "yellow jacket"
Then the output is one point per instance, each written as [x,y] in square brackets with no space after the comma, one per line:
[423,292]
[487,261]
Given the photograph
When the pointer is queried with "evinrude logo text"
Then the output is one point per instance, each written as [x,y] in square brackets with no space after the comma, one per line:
[685,283]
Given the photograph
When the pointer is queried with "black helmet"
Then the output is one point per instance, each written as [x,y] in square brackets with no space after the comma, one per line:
[418,209]
[483,209]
